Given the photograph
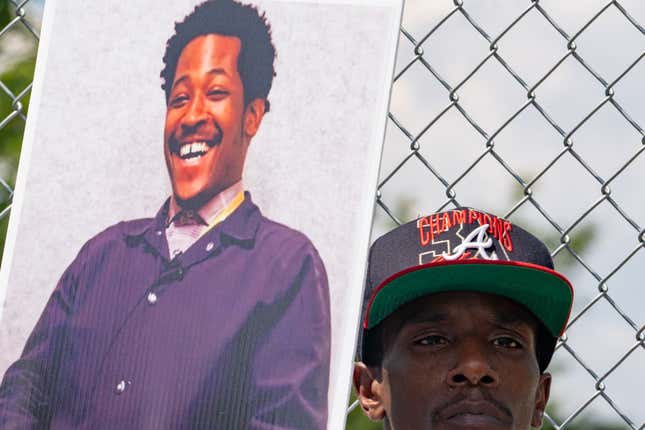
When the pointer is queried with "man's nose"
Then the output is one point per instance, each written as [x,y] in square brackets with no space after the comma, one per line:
[194,116]
[473,366]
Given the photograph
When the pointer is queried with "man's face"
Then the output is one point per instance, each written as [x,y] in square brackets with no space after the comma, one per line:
[457,360]
[207,127]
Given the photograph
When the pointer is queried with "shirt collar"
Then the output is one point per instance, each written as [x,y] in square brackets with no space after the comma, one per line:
[241,225]
[209,210]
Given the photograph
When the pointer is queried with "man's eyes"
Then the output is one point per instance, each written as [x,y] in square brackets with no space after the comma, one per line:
[507,342]
[501,341]
[181,99]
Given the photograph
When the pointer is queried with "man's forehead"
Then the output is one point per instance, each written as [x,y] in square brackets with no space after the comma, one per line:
[212,54]
[207,47]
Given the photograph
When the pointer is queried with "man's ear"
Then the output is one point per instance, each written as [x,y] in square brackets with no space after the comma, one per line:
[369,391]
[541,399]
[253,114]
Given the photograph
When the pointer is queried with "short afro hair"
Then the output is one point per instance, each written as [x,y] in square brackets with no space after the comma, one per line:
[227,18]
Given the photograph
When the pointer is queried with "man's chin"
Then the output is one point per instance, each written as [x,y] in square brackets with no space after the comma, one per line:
[190,199]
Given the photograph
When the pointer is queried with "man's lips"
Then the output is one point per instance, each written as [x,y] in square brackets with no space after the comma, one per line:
[480,413]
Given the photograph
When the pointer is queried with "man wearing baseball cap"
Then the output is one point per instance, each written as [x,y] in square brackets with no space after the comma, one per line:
[461,317]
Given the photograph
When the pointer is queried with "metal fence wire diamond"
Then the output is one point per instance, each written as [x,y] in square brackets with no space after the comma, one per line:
[414,48]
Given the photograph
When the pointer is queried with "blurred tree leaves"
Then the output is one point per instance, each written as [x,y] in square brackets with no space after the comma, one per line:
[5,13]
[16,77]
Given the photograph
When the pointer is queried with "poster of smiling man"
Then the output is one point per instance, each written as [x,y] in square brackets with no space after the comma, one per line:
[192,214]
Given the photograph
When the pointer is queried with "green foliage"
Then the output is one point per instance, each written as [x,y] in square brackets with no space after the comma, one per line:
[16,78]
[5,13]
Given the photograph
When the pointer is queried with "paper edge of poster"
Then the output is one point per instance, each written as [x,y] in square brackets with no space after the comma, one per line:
[337,416]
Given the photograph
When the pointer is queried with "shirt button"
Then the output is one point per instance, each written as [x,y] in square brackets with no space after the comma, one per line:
[209,246]
[152,298]
[120,387]
[158,232]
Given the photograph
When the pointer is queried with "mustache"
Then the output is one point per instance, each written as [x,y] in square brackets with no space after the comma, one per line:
[174,142]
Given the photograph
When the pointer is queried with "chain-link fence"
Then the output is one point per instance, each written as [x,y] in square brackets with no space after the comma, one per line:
[530,109]
[533,110]
[18,39]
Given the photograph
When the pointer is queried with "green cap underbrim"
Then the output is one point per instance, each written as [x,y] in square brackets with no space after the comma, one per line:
[543,291]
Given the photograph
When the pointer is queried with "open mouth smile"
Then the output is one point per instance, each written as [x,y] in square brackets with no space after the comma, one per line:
[193,150]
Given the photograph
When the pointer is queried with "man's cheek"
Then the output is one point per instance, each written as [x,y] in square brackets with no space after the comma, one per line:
[170,124]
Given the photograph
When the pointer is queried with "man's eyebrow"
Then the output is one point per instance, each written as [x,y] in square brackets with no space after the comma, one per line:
[216,71]
[427,317]
[512,319]
[180,80]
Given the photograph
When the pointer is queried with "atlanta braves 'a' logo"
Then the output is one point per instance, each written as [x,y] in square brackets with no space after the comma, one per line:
[476,239]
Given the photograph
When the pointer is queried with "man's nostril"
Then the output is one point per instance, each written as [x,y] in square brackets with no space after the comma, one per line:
[487,379]
[458,378]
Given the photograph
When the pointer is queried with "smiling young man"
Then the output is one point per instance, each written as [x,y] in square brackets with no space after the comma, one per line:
[462,313]
[208,315]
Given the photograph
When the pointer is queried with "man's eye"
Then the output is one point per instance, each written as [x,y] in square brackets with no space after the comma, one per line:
[217,94]
[178,101]
[507,342]
[432,340]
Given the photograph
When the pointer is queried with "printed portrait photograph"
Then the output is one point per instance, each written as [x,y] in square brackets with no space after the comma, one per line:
[193,208]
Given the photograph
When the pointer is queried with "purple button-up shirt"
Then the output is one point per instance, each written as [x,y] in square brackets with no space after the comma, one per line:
[232,334]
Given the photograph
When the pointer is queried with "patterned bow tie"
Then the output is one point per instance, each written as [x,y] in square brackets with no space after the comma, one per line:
[186,218]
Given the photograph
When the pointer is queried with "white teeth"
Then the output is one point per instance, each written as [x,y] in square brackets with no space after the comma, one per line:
[198,147]
[191,148]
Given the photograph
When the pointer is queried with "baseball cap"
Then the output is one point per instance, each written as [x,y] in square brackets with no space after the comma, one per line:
[463,249]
